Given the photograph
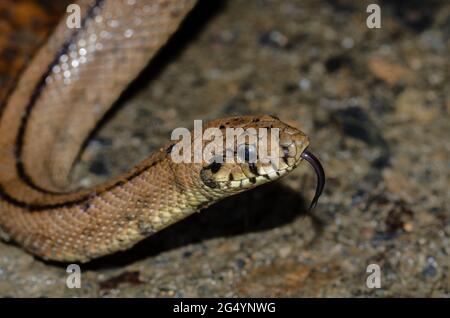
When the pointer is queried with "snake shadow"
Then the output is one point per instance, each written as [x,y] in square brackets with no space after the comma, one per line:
[269,207]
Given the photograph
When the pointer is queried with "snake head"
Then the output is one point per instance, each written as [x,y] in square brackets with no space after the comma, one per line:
[264,149]
[240,153]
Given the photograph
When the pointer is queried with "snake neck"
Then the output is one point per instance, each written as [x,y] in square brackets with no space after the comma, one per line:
[68,87]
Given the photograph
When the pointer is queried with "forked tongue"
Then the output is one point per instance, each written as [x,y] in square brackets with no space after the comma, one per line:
[320,173]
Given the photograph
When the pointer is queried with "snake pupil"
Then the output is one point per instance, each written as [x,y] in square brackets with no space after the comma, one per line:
[246,154]
[253,169]
[206,178]
[214,167]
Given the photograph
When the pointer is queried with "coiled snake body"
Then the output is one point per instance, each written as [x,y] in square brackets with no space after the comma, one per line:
[70,84]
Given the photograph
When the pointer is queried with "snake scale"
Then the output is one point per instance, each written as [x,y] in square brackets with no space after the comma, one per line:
[59,99]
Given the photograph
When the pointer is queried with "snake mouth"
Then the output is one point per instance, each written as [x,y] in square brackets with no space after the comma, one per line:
[320,173]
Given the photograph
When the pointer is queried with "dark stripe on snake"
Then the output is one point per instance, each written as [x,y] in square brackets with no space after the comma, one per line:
[21,171]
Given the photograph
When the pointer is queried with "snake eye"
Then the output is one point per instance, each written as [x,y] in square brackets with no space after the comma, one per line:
[247,153]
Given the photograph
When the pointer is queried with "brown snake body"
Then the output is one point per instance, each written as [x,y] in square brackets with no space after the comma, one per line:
[67,88]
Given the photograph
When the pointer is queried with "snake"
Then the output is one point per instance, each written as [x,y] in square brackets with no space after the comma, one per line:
[60,97]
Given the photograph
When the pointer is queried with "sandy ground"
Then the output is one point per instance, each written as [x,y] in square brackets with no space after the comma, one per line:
[375,103]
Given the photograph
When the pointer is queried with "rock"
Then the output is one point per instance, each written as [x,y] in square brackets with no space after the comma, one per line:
[284,251]
[390,72]
[287,279]
[99,168]
[411,105]
[399,185]
[274,39]
[334,63]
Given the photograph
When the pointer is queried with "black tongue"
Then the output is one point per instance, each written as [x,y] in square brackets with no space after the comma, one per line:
[320,173]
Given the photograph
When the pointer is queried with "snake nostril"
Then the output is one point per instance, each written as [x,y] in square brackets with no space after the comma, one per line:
[289,150]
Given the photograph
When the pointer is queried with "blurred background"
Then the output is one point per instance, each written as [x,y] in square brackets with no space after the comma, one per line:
[375,103]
